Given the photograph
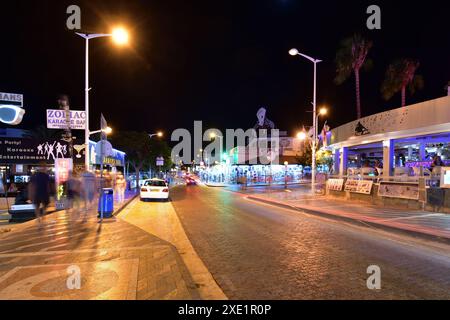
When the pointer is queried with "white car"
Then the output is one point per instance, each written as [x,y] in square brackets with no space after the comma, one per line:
[154,189]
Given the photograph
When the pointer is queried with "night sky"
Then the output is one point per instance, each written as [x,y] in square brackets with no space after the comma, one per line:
[213,60]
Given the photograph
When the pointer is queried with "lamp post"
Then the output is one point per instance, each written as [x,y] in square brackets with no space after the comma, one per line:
[120,37]
[295,52]
[213,135]
[285,173]
[158,134]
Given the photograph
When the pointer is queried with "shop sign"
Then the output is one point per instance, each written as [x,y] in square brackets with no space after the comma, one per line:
[23,150]
[335,184]
[11,99]
[11,108]
[104,147]
[402,190]
[56,119]
[62,169]
[159,161]
[359,186]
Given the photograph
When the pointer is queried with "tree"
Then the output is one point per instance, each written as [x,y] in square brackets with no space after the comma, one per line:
[160,148]
[325,157]
[305,159]
[399,75]
[350,58]
[137,147]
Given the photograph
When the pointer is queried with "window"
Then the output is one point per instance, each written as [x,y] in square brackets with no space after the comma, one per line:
[155,183]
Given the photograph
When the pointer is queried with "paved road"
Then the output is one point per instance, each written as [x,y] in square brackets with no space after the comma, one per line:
[257,251]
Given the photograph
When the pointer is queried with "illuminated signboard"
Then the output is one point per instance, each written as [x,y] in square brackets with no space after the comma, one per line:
[11,108]
[56,119]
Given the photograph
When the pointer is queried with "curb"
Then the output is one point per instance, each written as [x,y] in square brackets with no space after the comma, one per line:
[125,205]
[414,233]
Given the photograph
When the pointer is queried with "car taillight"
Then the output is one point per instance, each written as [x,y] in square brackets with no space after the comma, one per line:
[144,189]
[166,190]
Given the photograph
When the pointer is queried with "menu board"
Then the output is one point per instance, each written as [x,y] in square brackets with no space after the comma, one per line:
[403,190]
[359,186]
[335,184]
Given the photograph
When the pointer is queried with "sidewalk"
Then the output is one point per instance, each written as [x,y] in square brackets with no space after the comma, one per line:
[113,260]
[430,225]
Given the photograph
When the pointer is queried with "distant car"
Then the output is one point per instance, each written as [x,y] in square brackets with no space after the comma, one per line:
[154,189]
[190,181]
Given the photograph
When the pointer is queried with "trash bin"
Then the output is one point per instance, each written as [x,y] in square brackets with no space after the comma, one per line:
[106,202]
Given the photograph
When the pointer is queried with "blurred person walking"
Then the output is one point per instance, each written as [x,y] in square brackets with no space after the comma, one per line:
[73,193]
[120,187]
[39,192]
[89,189]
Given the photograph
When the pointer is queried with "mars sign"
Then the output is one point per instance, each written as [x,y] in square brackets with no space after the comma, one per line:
[11,108]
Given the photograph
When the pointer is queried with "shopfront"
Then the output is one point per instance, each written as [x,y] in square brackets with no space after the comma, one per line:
[402,151]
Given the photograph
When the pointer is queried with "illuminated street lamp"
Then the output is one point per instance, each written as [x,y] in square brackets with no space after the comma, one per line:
[301,135]
[295,52]
[120,37]
[322,112]
[158,134]
[107,131]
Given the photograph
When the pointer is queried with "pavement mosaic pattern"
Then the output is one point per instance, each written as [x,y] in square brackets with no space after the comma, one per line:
[116,261]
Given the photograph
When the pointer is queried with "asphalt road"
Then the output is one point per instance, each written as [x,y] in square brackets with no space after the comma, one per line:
[258,251]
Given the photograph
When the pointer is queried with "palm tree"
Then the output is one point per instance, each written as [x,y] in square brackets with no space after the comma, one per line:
[399,75]
[350,58]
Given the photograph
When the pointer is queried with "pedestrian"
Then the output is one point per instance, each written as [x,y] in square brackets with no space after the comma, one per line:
[437,161]
[73,193]
[89,188]
[120,187]
[39,192]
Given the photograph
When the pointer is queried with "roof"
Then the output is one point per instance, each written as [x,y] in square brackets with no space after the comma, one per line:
[424,118]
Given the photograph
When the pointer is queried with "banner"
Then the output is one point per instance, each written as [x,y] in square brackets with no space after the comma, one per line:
[56,119]
[335,184]
[403,190]
[359,186]
[32,151]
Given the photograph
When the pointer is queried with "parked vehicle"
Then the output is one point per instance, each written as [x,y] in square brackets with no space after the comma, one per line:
[154,189]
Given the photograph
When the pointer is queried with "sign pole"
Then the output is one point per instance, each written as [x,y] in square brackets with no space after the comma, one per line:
[103,138]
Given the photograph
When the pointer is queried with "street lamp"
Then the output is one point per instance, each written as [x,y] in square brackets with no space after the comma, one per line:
[120,37]
[322,112]
[213,135]
[301,135]
[108,130]
[295,52]
[158,134]
[285,173]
